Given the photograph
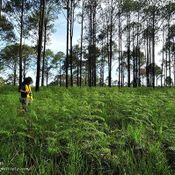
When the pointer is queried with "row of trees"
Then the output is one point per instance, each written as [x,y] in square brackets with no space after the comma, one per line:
[125,33]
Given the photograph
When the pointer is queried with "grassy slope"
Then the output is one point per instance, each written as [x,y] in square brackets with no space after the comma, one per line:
[90,131]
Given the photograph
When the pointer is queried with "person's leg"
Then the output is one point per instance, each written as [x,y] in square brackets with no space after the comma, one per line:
[24,104]
[27,103]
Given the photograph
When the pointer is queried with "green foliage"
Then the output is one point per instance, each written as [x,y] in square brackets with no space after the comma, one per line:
[89,131]
[6,29]
[9,57]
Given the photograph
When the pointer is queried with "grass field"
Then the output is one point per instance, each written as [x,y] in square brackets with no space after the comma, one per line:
[83,131]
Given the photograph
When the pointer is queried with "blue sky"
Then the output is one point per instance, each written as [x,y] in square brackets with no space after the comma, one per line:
[58,39]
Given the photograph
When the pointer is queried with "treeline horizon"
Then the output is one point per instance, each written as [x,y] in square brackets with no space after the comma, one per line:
[124,33]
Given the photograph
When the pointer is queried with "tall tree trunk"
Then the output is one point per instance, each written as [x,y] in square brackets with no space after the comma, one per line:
[120,47]
[173,60]
[44,51]
[174,67]
[147,56]
[110,44]
[67,43]
[20,46]
[46,72]
[143,76]
[89,68]
[139,67]
[47,77]
[128,51]
[60,74]
[123,74]
[90,49]
[102,65]
[153,48]
[94,44]
[134,60]
[81,53]
[41,22]
[166,64]
[139,62]
[162,56]
[150,63]
[108,52]
[71,38]
[169,42]
[77,75]
[24,68]
[138,52]
[15,73]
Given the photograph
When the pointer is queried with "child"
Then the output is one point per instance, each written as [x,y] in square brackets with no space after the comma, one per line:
[26,93]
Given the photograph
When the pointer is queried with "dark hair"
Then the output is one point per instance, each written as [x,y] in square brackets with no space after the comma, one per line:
[28,80]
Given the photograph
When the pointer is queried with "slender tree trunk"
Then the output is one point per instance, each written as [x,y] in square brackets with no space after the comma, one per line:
[42,11]
[134,60]
[89,68]
[20,46]
[139,67]
[60,74]
[173,60]
[136,63]
[90,48]
[153,48]
[108,53]
[128,51]
[120,48]
[162,56]
[139,62]
[81,54]
[71,38]
[24,68]
[169,43]
[174,68]
[47,78]
[44,52]
[67,43]
[77,75]
[15,73]
[138,52]
[164,69]
[102,65]
[71,49]
[150,63]
[110,45]
[46,72]
[123,75]
[166,64]
[147,57]
[143,76]
[94,45]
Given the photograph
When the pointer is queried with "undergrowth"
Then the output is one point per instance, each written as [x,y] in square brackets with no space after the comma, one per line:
[88,131]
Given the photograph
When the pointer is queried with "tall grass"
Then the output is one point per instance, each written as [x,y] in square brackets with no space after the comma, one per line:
[83,131]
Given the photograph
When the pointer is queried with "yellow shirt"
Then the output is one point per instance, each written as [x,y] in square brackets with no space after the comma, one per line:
[29,90]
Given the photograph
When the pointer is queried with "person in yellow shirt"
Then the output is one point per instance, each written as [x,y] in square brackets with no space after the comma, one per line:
[26,93]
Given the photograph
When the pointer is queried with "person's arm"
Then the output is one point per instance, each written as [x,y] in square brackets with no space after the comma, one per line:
[21,90]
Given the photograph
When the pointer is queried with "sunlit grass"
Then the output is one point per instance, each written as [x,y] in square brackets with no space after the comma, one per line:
[89,131]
